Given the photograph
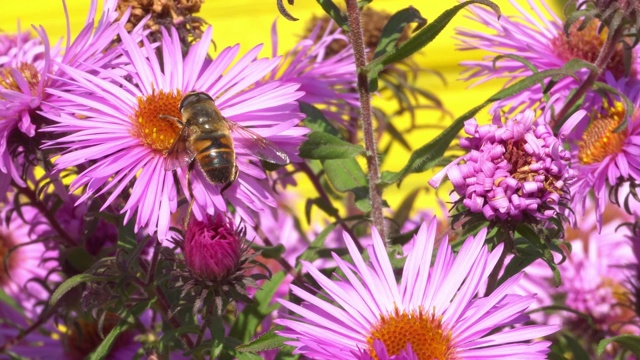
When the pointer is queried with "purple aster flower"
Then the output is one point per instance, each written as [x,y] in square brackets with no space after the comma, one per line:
[25,262]
[123,130]
[511,170]
[594,280]
[606,157]
[539,39]
[75,339]
[435,310]
[328,79]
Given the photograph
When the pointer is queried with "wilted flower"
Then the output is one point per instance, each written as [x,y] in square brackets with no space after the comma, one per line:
[136,125]
[538,41]
[511,171]
[432,309]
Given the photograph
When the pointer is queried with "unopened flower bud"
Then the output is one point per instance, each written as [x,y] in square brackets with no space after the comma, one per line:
[212,248]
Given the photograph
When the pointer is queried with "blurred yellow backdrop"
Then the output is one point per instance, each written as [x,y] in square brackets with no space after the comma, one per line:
[248,22]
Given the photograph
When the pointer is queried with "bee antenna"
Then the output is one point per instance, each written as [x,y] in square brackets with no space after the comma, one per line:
[177,120]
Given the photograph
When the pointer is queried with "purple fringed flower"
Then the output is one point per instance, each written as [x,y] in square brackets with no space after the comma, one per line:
[328,80]
[434,309]
[123,130]
[26,263]
[511,170]
[594,279]
[539,39]
[605,156]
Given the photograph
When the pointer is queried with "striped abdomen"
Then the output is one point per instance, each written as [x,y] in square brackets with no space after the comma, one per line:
[215,154]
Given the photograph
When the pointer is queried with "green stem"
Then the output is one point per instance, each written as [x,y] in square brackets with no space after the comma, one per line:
[356,36]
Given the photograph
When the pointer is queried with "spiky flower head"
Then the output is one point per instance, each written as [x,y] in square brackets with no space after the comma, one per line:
[212,248]
[433,309]
[511,171]
[217,267]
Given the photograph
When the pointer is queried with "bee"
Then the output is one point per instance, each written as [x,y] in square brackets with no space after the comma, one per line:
[205,135]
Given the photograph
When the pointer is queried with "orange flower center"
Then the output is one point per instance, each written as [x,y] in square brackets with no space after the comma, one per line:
[154,121]
[586,44]
[7,262]
[28,71]
[600,140]
[425,333]
[83,336]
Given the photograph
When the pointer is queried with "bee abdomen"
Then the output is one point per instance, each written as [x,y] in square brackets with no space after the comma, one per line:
[216,156]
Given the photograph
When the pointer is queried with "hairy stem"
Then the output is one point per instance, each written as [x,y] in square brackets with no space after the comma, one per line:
[605,55]
[366,119]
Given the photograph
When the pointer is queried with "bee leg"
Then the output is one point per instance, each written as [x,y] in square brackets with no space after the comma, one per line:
[188,177]
[227,185]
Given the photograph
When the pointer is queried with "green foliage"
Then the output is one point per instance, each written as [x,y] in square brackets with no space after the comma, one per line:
[627,341]
[324,146]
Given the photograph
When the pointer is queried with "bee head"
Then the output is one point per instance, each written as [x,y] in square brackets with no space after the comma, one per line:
[193,98]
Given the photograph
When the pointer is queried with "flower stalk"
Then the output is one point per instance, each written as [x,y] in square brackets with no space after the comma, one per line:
[356,36]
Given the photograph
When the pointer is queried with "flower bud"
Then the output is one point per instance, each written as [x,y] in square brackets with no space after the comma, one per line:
[212,248]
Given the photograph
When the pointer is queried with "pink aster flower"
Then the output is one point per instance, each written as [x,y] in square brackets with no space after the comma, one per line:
[327,79]
[25,261]
[433,309]
[537,36]
[123,130]
[75,339]
[594,280]
[511,170]
[605,157]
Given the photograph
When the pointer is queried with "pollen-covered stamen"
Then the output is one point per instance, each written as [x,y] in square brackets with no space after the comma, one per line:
[6,262]
[522,170]
[28,72]
[154,121]
[586,44]
[600,140]
[426,334]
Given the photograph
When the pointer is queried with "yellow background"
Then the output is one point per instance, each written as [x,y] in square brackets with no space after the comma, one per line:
[249,22]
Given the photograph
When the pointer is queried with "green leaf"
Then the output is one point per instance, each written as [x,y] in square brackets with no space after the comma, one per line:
[335,13]
[346,175]
[316,121]
[252,315]
[394,28]
[423,37]
[69,284]
[105,346]
[311,254]
[267,341]
[324,146]
[629,342]
[427,156]
[577,350]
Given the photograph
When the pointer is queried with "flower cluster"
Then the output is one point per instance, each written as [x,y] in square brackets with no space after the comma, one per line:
[161,196]
[511,171]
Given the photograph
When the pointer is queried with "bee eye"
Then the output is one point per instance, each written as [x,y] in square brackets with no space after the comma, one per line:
[193,97]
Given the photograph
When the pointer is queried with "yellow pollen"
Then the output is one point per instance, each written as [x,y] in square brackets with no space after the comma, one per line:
[586,45]
[6,262]
[28,71]
[599,141]
[154,121]
[426,334]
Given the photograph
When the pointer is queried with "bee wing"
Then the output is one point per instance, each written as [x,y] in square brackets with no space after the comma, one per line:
[262,148]
[181,152]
